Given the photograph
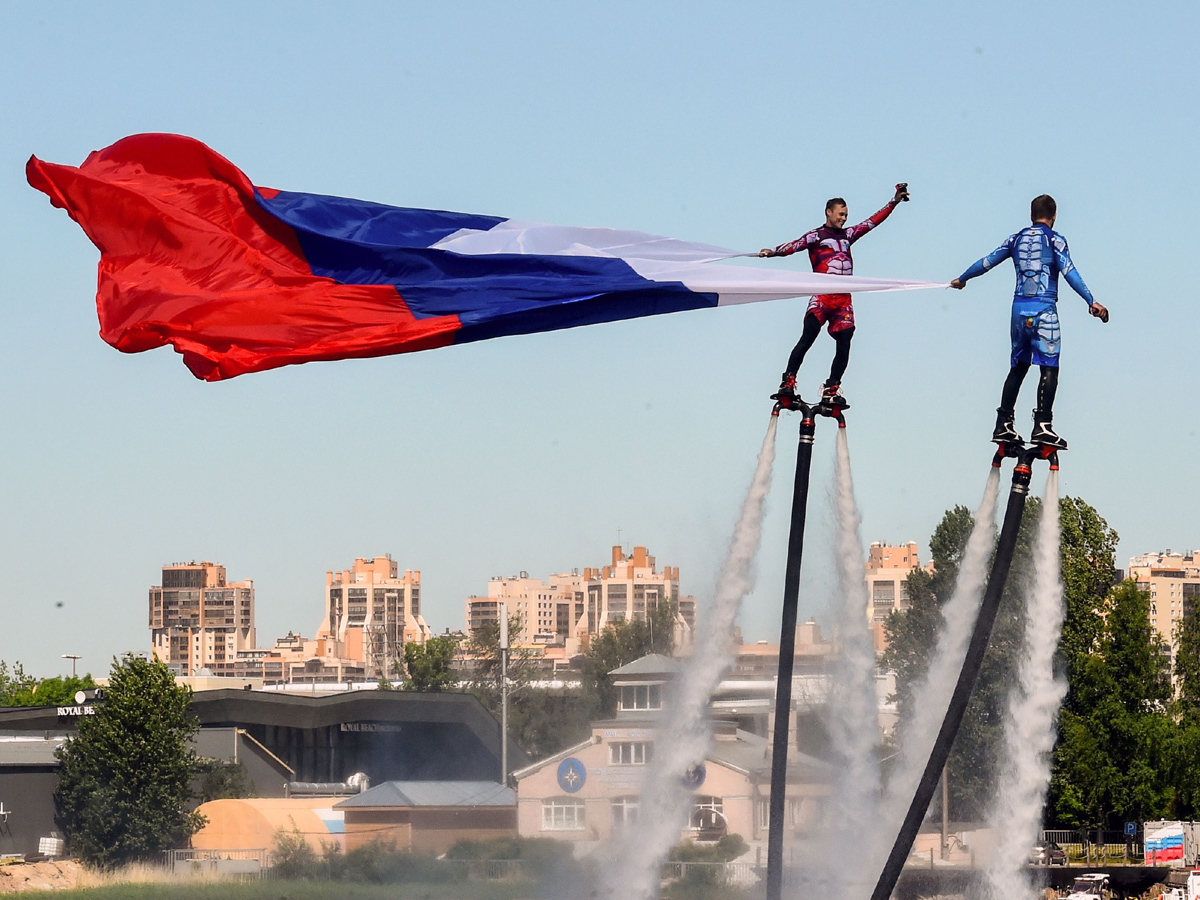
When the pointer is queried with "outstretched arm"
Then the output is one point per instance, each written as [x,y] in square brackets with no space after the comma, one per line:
[1001,253]
[857,231]
[801,243]
[1066,268]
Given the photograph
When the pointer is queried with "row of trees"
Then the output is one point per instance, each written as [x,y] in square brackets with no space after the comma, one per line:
[17,688]
[1128,744]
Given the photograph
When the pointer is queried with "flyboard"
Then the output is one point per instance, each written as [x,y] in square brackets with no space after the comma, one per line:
[1025,456]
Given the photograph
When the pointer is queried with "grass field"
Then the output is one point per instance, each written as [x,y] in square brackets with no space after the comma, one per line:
[308,890]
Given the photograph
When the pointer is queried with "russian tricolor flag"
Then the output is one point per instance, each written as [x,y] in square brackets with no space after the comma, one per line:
[240,278]
[1166,843]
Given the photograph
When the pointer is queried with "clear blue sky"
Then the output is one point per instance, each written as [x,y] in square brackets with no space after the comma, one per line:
[716,122]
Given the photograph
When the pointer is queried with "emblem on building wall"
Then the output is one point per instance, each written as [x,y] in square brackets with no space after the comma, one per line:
[571,775]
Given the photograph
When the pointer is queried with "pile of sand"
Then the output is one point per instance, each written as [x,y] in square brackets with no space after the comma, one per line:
[57,875]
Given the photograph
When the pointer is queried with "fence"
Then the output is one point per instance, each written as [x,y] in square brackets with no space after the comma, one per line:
[246,864]
[1098,847]
[413,868]
[731,874]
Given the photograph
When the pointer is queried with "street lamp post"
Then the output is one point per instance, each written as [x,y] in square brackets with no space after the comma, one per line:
[503,694]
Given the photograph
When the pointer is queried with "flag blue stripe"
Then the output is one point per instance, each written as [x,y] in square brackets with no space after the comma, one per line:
[355,242]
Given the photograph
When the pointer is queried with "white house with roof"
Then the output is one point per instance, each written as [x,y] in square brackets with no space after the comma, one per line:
[584,793]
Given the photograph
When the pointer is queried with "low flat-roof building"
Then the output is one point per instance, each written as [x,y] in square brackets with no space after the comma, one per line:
[278,738]
[429,816]
[28,776]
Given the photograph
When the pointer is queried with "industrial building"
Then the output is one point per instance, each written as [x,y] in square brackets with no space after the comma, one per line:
[278,738]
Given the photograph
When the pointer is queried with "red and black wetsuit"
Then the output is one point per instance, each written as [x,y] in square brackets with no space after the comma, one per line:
[829,252]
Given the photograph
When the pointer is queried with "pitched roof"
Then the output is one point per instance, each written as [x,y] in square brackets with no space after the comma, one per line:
[651,664]
[432,793]
[556,757]
[751,753]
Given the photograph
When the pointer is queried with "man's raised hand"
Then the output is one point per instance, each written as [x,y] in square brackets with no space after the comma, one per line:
[766,251]
[901,192]
[958,284]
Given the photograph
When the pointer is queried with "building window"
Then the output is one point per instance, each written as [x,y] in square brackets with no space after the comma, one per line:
[884,593]
[764,814]
[562,815]
[630,753]
[641,696]
[625,811]
[708,814]
[803,812]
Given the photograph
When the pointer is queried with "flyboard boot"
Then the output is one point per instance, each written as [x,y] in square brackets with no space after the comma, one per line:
[1043,433]
[831,397]
[1005,431]
[785,397]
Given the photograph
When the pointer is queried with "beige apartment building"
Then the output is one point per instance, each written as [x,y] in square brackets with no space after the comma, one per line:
[200,620]
[563,610]
[1173,582]
[371,612]
[887,573]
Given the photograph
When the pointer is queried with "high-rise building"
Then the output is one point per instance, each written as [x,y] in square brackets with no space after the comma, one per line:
[199,619]
[567,607]
[372,611]
[1173,582]
[887,574]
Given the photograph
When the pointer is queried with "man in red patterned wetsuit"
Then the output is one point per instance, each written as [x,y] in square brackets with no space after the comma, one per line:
[829,252]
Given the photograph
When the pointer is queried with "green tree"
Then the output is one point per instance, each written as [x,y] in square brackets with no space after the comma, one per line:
[427,665]
[545,720]
[1088,553]
[483,648]
[1113,758]
[14,682]
[1185,747]
[125,778]
[52,691]
[912,635]
[20,689]
[912,640]
[1187,664]
[222,780]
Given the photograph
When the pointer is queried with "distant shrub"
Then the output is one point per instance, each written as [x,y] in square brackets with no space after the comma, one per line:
[292,857]
[542,857]
[727,849]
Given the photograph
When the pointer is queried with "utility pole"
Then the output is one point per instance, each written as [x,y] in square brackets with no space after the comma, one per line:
[945,813]
[503,693]
[74,658]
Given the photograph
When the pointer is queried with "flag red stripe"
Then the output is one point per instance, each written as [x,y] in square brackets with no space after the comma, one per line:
[190,259]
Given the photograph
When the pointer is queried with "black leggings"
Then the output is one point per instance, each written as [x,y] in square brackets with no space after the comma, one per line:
[1047,388]
[841,355]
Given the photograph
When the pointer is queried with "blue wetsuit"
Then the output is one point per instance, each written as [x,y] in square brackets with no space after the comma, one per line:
[1039,255]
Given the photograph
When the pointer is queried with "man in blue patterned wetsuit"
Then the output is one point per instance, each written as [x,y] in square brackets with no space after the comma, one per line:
[1040,255]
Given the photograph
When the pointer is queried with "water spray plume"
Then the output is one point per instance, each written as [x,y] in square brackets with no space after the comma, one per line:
[1029,729]
[633,868]
[853,705]
[931,693]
